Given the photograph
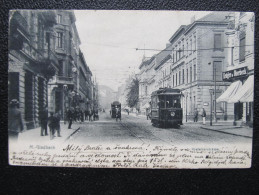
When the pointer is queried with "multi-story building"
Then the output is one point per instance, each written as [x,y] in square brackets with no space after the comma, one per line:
[45,65]
[64,87]
[198,59]
[239,66]
[150,79]
[32,61]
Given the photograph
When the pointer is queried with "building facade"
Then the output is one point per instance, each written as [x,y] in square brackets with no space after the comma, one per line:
[32,61]
[46,67]
[240,66]
[198,59]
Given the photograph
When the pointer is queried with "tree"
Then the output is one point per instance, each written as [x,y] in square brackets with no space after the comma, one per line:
[132,96]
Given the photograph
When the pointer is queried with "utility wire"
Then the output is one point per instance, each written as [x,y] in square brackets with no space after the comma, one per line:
[181,50]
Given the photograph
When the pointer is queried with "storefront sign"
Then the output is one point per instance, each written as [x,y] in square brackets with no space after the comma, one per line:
[234,73]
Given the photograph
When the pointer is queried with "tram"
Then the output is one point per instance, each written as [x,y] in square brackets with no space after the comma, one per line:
[166,107]
[115,106]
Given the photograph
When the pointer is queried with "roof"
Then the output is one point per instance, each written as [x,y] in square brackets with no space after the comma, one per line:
[163,61]
[116,103]
[165,91]
[212,18]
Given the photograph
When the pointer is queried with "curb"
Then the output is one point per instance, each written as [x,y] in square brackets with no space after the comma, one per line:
[227,132]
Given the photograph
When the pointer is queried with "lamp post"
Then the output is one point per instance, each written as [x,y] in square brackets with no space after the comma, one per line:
[215,97]
[211,93]
[186,94]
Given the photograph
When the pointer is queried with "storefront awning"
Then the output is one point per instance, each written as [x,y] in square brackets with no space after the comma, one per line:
[245,93]
[230,92]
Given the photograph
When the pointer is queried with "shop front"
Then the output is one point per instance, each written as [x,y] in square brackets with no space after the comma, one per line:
[240,93]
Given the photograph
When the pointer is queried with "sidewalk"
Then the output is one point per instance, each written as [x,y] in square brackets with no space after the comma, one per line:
[243,131]
[33,135]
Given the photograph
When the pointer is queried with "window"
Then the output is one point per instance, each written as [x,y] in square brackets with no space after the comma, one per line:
[179,77]
[173,80]
[59,19]
[48,38]
[60,69]
[190,47]
[176,79]
[218,68]
[232,56]
[242,42]
[194,43]
[190,74]
[183,76]
[173,56]
[217,42]
[60,39]
[187,76]
[194,72]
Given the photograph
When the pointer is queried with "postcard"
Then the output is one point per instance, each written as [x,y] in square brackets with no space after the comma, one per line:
[131,89]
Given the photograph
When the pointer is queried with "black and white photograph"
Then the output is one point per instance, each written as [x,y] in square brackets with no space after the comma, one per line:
[131,89]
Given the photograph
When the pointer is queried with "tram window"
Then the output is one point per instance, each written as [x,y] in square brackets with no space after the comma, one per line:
[177,103]
[154,102]
[161,102]
[169,101]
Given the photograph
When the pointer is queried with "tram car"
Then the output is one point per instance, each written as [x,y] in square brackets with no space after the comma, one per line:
[115,105]
[166,107]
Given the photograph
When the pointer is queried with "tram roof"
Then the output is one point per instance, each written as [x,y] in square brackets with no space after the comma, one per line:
[116,103]
[164,91]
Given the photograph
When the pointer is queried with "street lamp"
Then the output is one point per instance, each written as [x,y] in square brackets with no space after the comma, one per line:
[214,80]
[211,93]
[186,95]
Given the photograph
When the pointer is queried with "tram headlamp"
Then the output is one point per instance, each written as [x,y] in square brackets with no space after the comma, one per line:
[172,113]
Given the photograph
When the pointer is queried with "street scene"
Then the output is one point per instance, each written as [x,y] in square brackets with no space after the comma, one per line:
[130,77]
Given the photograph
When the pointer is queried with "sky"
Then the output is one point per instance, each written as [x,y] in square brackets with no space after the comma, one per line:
[109,39]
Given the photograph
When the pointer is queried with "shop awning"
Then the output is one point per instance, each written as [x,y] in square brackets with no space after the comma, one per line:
[245,93]
[230,92]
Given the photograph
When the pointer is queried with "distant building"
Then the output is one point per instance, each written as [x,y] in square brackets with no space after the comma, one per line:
[151,76]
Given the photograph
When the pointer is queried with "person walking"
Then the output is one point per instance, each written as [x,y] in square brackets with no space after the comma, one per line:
[204,116]
[44,121]
[70,118]
[65,116]
[195,119]
[15,122]
[86,114]
[57,123]
[51,123]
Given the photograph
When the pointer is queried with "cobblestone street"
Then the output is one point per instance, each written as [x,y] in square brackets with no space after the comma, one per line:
[136,129]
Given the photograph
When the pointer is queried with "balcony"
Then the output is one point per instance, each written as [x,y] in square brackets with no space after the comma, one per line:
[18,31]
[49,55]
[64,80]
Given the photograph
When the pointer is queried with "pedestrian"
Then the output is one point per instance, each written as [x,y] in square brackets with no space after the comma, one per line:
[204,116]
[65,116]
[86,114]
[195,119]
[82,116]
[51,123]
[70,117]
[15,122]
[147,113]
[44,121]
[90,114]
[57,118]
